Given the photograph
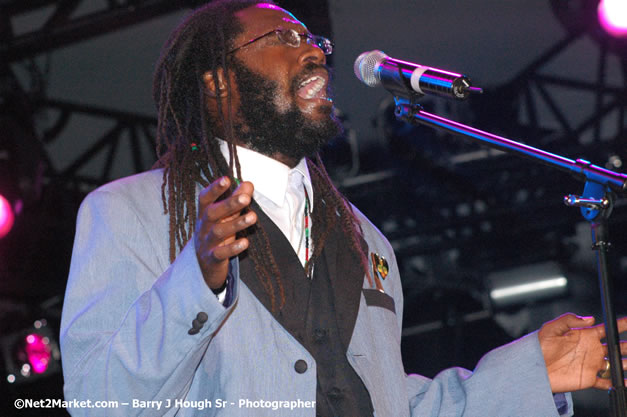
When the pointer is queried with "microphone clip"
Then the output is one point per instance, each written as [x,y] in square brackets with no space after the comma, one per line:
[407,108]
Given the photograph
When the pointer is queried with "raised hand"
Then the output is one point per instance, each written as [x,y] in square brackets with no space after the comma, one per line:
[216,228]
[573,352]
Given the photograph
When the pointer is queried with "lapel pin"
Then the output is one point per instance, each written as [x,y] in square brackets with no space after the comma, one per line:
[379,268]
[381,265]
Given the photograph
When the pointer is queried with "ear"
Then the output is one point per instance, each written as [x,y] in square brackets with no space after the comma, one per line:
[210,83]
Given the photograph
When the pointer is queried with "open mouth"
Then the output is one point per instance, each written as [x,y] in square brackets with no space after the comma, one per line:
[313,87]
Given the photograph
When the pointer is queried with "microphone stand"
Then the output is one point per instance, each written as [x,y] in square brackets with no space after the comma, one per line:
[596,205]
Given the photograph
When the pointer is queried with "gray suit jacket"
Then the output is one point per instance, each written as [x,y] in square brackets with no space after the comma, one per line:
[125,339]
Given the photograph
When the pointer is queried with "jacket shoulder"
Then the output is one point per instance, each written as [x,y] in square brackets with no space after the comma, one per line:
[143,183]
[371,232]
[129,199]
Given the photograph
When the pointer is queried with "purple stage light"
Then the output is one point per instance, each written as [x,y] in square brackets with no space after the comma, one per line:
[38,351]
[30,354]
[6,217]
[613,17]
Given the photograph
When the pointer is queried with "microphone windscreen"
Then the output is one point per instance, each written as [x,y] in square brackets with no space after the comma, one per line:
[365,65]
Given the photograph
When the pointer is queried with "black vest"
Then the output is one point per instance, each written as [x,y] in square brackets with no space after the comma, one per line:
[320,313]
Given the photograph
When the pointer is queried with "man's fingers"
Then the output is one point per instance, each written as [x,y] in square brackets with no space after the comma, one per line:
[568,321]
[220,232]
[214,190]
[623,348]
[623,351]
[606,383]
[217,212]
[214,262]
[246,187]
[225,209]
[217,227]
[224,252]
[602,383]
[621,325]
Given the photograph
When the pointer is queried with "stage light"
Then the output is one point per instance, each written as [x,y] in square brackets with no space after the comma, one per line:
[7,217]
[30,354]
[526,284]
[613,17]
[38,351]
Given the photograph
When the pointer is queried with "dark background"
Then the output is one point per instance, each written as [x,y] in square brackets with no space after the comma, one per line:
[76,111]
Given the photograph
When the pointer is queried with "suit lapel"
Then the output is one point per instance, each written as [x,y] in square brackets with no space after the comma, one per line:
[295,284]
[344,274]
[346,279]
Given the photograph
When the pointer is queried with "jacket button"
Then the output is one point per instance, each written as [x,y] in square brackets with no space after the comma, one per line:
[320,334]
[196,324]
[335,393]
[202,317]
[300,366]
[193,331]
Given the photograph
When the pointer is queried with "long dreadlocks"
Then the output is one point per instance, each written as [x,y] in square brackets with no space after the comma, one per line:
[189,153]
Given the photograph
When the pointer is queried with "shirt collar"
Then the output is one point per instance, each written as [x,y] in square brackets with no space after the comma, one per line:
[269,176]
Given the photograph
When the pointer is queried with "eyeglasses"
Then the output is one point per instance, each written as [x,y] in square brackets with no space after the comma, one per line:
[292,38]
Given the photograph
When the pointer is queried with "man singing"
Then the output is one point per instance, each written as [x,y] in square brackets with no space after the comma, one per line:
[234,277]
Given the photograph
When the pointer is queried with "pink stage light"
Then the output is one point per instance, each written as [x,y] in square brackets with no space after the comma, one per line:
[38,352]
[6,217]
[613,17]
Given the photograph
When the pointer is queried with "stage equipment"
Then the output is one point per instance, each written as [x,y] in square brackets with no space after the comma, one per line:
[596,204]
[404,79]
[63,27]
[604,21]
[613,17]
[526,284]
[7,217]
[30,354]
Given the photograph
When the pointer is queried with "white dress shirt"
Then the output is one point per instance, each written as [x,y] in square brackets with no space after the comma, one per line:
[279,191]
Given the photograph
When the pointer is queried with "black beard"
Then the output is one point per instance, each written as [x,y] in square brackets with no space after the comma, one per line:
[262,127]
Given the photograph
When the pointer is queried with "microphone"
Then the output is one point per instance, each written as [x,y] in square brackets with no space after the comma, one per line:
[406,79]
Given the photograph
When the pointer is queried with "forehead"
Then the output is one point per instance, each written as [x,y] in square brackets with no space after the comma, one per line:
[264,17]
